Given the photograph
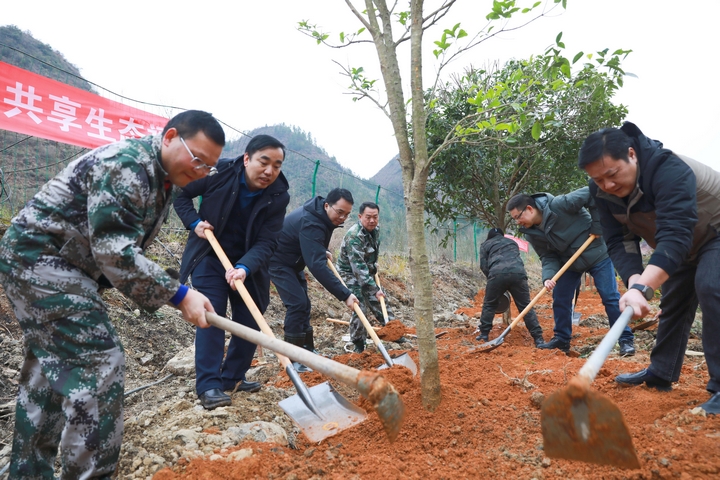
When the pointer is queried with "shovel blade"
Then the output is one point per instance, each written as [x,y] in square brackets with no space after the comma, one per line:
[337,413]
[403,360]
[586,426]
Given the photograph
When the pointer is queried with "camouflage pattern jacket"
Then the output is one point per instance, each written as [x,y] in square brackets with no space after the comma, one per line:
[98,215]
[358,258]
[500,255]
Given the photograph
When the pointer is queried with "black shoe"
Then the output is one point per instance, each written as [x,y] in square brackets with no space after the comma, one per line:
[539,340]
[214,398]
[647,377]
[299,340]
[482,338]
[712,406]
[556,343]
[249,387]
[359,346]
[627,349]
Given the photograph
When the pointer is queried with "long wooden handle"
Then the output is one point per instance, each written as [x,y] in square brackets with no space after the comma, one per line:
[364,320]
[554,279]
[331,368]
[249,302]
[343,322]
[588,371]
[382,299]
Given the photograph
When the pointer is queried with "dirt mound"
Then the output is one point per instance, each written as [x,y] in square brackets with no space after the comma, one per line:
[392,332]
[487,425]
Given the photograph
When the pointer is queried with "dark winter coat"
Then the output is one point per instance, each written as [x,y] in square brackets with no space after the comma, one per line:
[500,255]
[219,193]
[303,242]
[675,207]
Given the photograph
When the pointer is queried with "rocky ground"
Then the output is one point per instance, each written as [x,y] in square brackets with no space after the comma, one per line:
[488,424]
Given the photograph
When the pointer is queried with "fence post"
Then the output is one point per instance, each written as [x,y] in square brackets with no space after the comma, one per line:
[377,195]
[455,241]
[317,165]
[475,239]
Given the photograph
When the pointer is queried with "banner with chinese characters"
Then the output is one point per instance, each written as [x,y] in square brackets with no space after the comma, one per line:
[522,244]
[35,105]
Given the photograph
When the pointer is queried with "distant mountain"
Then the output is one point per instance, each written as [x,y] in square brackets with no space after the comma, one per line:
[18,48]
[390,176]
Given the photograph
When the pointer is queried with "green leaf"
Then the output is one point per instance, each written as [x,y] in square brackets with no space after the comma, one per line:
[361,30]
[577,57]
[342,37]
[536,130]
[557,39]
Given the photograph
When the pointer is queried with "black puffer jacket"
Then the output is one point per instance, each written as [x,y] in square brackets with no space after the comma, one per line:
[219,194]
[500,255]
[303,242]
[675,207]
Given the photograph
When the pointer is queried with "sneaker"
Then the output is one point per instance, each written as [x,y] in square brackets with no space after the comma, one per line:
[627,349]
[556,343]
[644,376]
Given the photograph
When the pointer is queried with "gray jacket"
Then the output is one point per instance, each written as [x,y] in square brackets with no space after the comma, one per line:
[567,222]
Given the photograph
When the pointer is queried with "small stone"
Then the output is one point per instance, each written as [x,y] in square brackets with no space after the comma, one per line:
[215,457]
[546,462]
[238,455]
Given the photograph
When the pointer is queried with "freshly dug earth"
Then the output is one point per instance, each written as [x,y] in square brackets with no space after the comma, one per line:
[392,332]
[487,425]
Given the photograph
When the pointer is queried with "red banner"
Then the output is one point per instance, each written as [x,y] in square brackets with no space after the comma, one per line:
[522,244]
[35,105]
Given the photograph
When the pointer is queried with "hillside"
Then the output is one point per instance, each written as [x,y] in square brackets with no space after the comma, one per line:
[390,176]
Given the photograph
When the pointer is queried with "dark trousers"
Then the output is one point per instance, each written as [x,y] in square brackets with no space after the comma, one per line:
[210,370]
[604,275]
[292,288]
[689,285]
[517,285]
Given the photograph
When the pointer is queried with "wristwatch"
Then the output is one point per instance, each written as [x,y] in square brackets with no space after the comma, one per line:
[647,292]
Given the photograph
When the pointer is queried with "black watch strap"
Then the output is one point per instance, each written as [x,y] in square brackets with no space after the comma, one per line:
[647,292]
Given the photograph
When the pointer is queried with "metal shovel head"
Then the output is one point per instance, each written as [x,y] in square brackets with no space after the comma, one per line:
[336,412]
[491,345]
[403,360]
[578,424]
[503,303]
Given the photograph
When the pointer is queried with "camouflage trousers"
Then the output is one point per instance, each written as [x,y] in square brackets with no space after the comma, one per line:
[72,378]
[368,302]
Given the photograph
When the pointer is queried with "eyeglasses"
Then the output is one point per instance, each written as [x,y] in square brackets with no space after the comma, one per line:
[517,217]
[211,170]
[340,213]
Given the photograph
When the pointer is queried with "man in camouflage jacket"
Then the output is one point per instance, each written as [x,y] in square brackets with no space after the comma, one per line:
[357,265]
[83,231]
[501,263]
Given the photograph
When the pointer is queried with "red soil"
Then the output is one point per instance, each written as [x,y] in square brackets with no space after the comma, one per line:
[488,423]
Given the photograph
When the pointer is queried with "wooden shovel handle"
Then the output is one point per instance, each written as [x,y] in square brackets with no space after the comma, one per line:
[242,290]
[554,279]
[343,322]
[382,299]
[363,319]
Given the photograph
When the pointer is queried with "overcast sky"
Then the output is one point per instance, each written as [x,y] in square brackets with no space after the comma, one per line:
[246,62]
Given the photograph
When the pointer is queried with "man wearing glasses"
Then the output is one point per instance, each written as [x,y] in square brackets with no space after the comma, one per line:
[303,242]
[357,265]
[244,205]
[84,231]
[556,227]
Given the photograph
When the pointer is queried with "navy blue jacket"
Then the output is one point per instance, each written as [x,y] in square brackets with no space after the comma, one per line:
[219,194]
[305,236]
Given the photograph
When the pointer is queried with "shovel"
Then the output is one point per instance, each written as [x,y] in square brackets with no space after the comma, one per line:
[578,424]
[403,359]
[495,343]
[333,409]
[381,394]
[647,324]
